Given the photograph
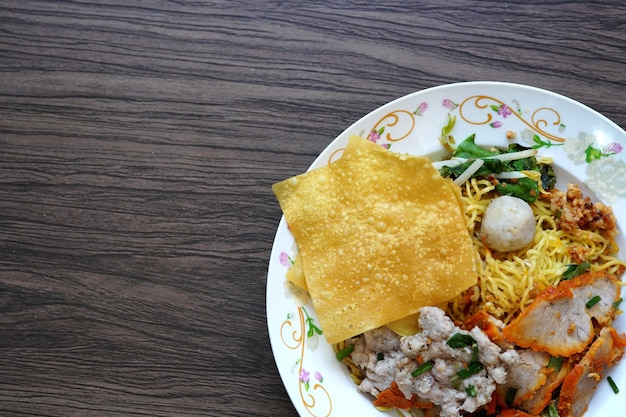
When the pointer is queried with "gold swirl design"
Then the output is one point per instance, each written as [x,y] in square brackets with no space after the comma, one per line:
[297,335]
[335,155]
[295,338]
[393,119]
[536,123]
[389,120]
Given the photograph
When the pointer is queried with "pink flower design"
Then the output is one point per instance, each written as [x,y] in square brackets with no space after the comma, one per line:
[449,104]
[504,111]
[374,136]
[496,124]
[304,375]
[319,377]
[285,260]
[421,108]
[614,148]
[304,378]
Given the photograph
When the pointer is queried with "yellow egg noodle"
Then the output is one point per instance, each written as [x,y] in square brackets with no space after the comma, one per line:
[508,282]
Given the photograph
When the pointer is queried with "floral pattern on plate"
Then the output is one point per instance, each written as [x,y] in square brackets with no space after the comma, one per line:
[583,143]
[296,333]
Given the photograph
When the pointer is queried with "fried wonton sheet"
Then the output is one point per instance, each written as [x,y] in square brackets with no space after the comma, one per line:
[380,235]
[295,274]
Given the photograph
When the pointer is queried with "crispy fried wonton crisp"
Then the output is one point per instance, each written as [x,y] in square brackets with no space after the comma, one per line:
[295,274]
[380,235]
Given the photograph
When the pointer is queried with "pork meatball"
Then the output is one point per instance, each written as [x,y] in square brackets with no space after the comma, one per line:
[508,224]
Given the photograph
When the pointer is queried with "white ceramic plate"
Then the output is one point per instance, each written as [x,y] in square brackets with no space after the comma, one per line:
[587,149]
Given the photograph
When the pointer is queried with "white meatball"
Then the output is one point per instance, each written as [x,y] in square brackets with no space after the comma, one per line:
[508,224]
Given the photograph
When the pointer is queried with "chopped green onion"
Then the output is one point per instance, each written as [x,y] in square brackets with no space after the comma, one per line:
[613,385]
[510,396]
[460,340]
[473,368]
[593,301]
[344,353]
[556,363]
[475,353]
[471,391]
[423,368]
[573,270]
[617,303]
[380,356]
[552,410]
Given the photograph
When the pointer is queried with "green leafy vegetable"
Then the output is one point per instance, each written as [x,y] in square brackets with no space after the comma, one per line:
[548,177]
[495,162]
[469,149]
[471,391]
[524,188]
[380,356]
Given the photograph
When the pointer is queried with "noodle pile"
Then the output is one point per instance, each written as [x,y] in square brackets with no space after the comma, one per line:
[571,235]
[508,282]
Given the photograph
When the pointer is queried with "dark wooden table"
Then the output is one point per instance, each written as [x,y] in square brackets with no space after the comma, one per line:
[138,144]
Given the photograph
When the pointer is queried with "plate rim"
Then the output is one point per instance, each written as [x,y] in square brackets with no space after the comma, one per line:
[509,86]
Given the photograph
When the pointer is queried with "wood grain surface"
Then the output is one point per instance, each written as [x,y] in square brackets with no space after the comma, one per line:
[138,144]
